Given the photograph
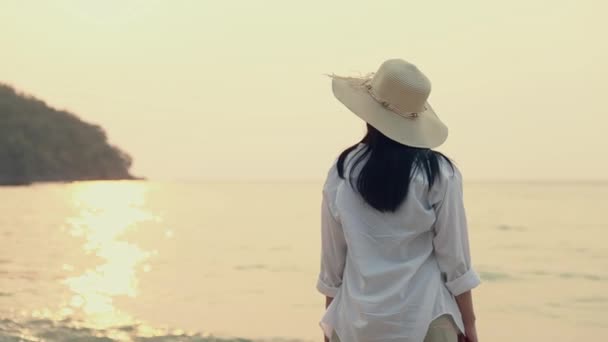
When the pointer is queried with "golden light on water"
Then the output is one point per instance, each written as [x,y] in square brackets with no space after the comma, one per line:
[107,212]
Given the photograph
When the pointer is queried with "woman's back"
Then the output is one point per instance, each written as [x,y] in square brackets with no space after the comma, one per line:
[388,284]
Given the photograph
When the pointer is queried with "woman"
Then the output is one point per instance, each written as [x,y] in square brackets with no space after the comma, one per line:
[395,261]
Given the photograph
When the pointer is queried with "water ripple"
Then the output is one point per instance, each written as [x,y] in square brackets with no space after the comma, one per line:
[68,330]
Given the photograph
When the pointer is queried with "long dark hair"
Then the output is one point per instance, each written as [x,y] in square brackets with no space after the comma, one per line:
[384,180]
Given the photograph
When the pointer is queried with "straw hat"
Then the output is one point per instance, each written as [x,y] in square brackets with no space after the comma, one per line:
[394,101]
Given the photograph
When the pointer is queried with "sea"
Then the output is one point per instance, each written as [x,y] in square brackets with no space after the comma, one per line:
[238,261]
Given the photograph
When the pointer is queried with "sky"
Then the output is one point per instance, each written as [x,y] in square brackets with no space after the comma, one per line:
[236,90]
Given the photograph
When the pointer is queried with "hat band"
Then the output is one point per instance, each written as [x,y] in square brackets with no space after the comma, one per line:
[388,105]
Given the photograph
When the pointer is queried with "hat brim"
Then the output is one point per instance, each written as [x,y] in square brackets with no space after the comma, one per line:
[424,131]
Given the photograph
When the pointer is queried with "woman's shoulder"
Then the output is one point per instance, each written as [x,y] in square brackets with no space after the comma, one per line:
[332,173]
[449,175]
[448,170]
[332,177]
[331,185]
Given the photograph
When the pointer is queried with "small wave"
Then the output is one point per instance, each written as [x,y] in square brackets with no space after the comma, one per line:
[511,227]
[494,276]
[39,330]
[570,275]
[250,267]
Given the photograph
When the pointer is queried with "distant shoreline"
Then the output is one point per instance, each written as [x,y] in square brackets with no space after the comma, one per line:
[39,143]
[42,182]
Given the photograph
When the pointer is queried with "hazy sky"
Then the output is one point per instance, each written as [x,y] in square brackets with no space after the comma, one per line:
[235,89]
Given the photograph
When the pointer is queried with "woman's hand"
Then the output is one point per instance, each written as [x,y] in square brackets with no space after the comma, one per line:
[470,333]
[328,301]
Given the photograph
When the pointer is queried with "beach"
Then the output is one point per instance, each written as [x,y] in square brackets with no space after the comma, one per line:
[204,261]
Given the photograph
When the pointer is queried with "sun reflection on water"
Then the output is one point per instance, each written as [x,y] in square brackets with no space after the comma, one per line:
[107,211]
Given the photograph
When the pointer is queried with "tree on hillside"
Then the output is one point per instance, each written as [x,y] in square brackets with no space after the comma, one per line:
[41,143]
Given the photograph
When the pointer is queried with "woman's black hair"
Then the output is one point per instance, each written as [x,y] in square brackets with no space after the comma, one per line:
[384,180]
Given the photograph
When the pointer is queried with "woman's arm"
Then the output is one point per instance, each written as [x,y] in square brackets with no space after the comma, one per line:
[333,254]
[451,240]
[333,251]
[451,244]
[327,302]
[465,304]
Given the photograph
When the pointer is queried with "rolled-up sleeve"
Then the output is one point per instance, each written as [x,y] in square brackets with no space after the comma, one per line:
[333,251]
[451,240]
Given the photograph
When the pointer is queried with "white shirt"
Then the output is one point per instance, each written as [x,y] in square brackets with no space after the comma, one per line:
[391,274]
